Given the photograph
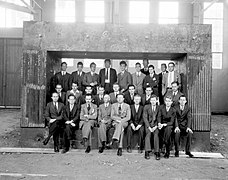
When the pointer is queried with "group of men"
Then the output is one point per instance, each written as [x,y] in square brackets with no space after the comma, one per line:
[143,102]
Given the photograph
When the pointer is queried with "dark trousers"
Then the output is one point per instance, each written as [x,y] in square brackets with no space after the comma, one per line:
[188,136]
[130,133]
[54,129]
[148,140]
[165,137]
[67,136]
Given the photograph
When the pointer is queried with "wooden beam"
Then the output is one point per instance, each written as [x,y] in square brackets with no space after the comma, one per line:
[28,6]
[15,7]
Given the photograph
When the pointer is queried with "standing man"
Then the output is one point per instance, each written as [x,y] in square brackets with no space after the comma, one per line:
[75,92]
[53,114]
[107,77]
[151,80]
[161,75]
[129,95]
[104,120]
[166,122]
[174,93]
[150,117]
[78,76]
[63,77]
[170,77]
[120,115]
[62,95]
[99,97]
[146,97]
[124,78]
[113,95]
[71,113]
[145,69]
[88,118]
[91,78]
[137,78]
[136,124]
[183,126]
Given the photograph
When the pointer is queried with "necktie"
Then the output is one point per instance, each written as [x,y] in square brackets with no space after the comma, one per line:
[88,108]
[119,110]
[71,107]
[56,106]
[182,108]
[138,75]
[106,74]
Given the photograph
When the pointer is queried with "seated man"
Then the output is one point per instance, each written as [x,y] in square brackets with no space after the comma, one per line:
[183,125]
[71,114]
[136,124]
[88,90]
[166,120]
[129,95]
[174,93]
[53,114]
[104,120]
[99,98]
[120,114]
[88,118]
[146,97]
[75,92]
[113,95]
[150,117]
[62,95]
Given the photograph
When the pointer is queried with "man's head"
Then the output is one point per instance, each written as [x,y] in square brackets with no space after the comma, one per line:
[123,65]
[183,100]
[145,62]
[137,99]
[151,69]
[171,66]
[175,86]
[88,98]
[101,90]
[163,67]
[131,89]
[55,97]
[63,66]
[120,98]
[71,99]
[88,89]
[93,67]
[149,90]
[75,86]
[137,67]
[153,100]
[107,63]
[106,98]
[168,101]
[58,88]
[80,66]
[116,87]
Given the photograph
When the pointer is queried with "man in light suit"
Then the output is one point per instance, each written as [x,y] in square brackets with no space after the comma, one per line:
[91,78]
[107,77]
[124,78]
[78,76]
[71,113]
[62,95]
[137,78]
[160,75]
[170,77]
[53,114]
[75,92]
[150,116]
[174,93]
[120,115]
[104,120]
[113,95]
[88,118]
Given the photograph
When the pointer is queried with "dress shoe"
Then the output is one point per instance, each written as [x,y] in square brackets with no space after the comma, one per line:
[166,155]
[56,149]
[147,155]
[119,152]
[45,141]
[88,149]
[177,154]
[129,149]
[101,149]
[64,151]
[189,154]
[157,156]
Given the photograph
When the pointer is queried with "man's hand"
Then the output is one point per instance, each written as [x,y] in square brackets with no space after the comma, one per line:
[154,128]
[118,121]
[52,120]
[138,127]
[72,124]
[92,84]
[68,122]
[177,130]
[103,121]
[151,130]
[133,126]
[189,130]
[160,125]
[122,90]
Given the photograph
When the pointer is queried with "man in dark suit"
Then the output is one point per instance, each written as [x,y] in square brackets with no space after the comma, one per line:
[160,75]
[136,124]
[75,92]
[78,76]
[150,116]
[53,114]
[113,95]
[91,78]
[124,78]
[174,93]
[145,69]
[183,125]
[99,97]
[129,95]
[151,80]
[166,122]
[62,95]
[146,97]
[71,113]
[107,77]
[63,77]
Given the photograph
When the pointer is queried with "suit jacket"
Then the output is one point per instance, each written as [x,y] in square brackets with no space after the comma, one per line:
[167,117]
[152,82]
[105,113]
[112,98]
[138,82]
[52,113]
[92,113]
[97,100]
[88,78]
[127,98]
[75,113]
[77,96]
[136,117]
[144,101]
[124,80]
[177,78]
[63,80]
[150,117]
[113,77]
[145,72]
[184,119]
[79,79]
[62,98]
[174,98]
[125,115]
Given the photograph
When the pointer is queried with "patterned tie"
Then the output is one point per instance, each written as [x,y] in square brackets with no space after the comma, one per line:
[119,110]
[88,108]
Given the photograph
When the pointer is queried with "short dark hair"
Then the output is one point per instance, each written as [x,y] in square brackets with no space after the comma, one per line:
[74,83]
[184,97]
[123,62]
[63,63]
[79,63]
[168,97]
[115,84]
[100,87]
[153,96]
[93,63]
[120,94]
[138,64]
[54,93]
[89,86]
[58,85]
[149,87]
[163,64]
[171,63]
[145,59]
[131,85]
[175,82]
[72,96]
[107,60]
[151,66]
[88,95]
